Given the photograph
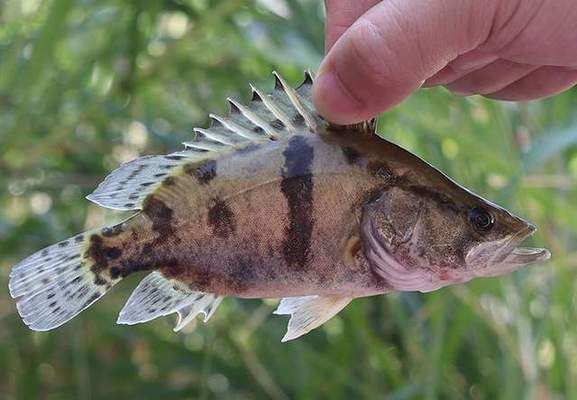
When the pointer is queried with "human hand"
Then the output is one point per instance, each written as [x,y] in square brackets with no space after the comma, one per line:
[379,52]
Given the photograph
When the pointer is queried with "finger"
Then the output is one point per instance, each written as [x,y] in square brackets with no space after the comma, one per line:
[340,16]
[444,76]
[491,78]
[544,82]
[461,66]
[544,33]
[391,49]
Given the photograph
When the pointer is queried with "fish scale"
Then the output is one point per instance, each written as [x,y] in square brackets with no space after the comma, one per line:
[273,201]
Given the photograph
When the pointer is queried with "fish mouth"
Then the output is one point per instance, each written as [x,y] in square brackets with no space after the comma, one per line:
[509,255]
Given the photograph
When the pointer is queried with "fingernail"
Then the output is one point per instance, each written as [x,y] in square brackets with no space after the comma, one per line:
[332,100]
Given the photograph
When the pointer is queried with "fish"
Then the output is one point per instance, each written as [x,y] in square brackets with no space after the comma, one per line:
[273,201]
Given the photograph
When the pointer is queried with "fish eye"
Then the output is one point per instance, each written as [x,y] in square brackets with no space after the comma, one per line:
[481,219]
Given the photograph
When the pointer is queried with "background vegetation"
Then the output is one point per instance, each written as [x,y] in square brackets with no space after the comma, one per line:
[86,85]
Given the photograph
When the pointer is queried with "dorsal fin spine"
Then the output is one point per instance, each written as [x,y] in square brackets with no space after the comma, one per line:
[238,129]
[254,118]
[204,145]
[285,111]
[224,139]
[275,110]
[295,100]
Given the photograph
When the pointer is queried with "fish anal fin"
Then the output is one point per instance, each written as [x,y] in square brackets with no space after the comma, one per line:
[206,306]
[157,296]
[309,312]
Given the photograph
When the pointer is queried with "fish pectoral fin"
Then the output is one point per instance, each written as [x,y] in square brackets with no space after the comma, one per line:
[157,296]
[309,312]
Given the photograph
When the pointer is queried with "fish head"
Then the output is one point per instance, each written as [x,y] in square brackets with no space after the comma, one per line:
[419,238]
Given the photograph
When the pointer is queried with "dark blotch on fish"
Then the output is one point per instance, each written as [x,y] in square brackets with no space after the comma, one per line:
[101,255]
[204,172]
[97,252]
[277,124]
[114,272]
[221,219]
[351,154]
[380,170]
[297,187]
[161,217]
[147,250]
[160,214]
[168,181]
[298,120]
[112,231]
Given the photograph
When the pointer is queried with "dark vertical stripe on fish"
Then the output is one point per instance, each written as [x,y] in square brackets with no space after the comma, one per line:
[297,187]
[101,255]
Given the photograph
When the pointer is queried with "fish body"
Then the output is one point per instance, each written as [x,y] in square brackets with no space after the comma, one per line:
[270,222]
[272,201]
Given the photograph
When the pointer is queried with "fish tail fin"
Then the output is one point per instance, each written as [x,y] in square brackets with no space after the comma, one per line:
[55,284]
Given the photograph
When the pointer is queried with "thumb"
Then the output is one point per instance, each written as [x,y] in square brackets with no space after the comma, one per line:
[392,49]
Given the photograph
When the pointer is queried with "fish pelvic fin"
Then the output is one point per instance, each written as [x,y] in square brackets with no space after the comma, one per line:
[280,114]
[158,296]
[55,284]
[309,312]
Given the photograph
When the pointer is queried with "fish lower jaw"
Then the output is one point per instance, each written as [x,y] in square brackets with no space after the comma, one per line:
[519,257]
[527,255]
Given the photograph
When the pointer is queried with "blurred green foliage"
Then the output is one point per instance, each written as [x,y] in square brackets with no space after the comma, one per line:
[86,85]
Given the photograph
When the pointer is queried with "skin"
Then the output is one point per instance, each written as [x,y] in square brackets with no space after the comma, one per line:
[379,52]
[334,214]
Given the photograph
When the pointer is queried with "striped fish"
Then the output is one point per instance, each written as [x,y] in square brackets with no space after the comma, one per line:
[272,201]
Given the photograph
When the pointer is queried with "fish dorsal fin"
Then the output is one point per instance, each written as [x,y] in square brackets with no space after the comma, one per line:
[309,312]
[368,127]
[279,114]
[157,296]
[127,187]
